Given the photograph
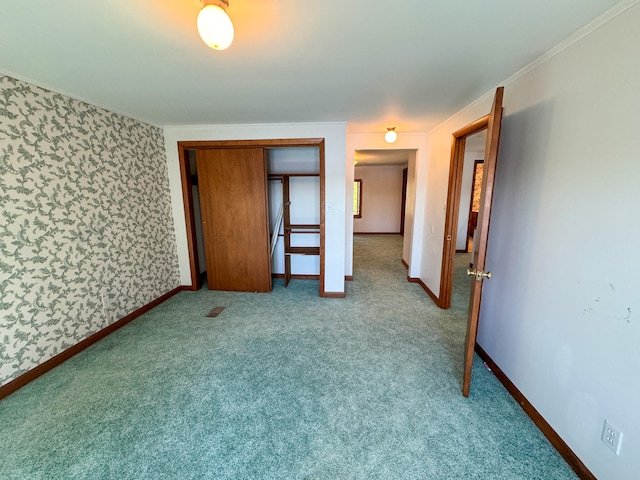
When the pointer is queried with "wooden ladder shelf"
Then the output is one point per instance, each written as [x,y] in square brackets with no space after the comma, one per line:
[290,229]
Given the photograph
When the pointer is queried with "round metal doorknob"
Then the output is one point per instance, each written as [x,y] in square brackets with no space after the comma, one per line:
[479,275]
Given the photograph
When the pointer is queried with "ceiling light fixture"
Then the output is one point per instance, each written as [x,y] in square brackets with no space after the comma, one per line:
[214,25]
[391,135]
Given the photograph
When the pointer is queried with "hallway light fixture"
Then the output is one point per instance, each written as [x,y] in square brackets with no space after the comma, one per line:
[214,25]
[391,135]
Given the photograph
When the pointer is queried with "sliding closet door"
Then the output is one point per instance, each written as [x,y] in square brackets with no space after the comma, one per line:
[233,198]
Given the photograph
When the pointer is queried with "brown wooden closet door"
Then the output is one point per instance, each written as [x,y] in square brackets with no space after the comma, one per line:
[233,198]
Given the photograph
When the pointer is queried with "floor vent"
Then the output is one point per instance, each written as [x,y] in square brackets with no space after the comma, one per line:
[215,312]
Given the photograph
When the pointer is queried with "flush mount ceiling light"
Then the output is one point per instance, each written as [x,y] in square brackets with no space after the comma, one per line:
[214,25]
[391,135]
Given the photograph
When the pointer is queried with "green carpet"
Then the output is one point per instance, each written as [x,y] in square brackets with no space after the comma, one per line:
[283,385]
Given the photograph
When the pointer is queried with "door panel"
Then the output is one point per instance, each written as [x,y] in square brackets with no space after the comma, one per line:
[482,234]
[233,197]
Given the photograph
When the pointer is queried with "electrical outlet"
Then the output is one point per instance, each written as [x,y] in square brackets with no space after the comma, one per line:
[612,437]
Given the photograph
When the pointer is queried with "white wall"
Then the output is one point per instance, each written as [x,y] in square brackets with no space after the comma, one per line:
[560,314]
[409,214]
[465,197]
[381,198]
[335,173]
[416,192]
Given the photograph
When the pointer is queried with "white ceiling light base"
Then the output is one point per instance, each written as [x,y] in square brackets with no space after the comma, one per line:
[214,25]
[391,135]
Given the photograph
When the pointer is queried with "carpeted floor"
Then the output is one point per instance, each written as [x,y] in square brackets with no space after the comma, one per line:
[284,385]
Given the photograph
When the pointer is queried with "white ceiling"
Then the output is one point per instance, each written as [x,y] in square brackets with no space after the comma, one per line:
[372,63]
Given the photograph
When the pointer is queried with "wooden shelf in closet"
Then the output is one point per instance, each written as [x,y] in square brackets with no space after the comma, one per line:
[294,228]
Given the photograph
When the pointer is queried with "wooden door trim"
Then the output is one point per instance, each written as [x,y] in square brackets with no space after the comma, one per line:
[187,194]
[270,143]
[187,200]
[320,144]
[405,174]
[453,206]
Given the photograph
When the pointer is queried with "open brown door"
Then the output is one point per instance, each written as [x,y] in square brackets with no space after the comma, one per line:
[481,235]
[235,224]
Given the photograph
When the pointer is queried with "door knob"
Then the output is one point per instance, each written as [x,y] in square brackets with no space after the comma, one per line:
[477,274]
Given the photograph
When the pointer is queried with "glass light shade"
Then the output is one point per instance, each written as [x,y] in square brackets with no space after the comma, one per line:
[391,135]
[215,27]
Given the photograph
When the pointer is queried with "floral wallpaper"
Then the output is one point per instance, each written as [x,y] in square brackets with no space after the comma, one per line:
[85,222]
[477,185]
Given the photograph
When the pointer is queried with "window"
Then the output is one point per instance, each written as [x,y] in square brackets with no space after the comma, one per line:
[357,199]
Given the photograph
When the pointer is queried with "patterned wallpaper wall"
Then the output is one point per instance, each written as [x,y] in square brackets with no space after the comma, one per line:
[477,185]
[84,213]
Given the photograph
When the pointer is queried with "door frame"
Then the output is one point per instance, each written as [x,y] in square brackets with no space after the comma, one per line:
[187,191]
[453,207]
[403,208]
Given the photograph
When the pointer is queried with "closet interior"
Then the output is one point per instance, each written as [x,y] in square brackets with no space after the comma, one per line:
[253,213]
[294,211]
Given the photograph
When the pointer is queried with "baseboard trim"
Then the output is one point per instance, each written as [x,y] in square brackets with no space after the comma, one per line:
[297,277]
[348,278]
[333,295]
[406,265]
[563,449]
[53,362]
[376,233]
[425,288]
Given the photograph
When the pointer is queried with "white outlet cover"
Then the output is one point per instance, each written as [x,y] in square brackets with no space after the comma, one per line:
[612,437]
